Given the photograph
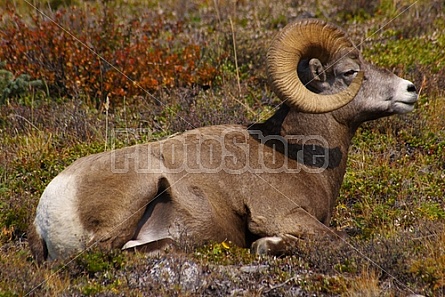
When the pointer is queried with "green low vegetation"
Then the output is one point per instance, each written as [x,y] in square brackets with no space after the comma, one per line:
[79,77]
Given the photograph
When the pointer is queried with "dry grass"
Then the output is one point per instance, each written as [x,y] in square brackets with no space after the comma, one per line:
[365,285]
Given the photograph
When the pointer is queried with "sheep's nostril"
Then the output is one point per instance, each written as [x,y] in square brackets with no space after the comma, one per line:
[412,88]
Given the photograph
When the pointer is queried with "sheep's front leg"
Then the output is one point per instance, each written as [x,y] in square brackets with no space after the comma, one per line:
[280,235]
[274,245]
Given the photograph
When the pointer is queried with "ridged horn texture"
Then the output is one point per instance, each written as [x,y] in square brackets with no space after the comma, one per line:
[309,38]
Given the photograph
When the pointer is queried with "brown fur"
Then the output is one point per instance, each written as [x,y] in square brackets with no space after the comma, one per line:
[37,245]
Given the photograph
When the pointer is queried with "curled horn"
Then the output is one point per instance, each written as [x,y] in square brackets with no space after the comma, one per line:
[307,39]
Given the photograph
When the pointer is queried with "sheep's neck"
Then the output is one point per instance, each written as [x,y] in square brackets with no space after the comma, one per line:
[322,130]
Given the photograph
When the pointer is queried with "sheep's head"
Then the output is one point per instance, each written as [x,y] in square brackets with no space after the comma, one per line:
[331,73]
[316,44]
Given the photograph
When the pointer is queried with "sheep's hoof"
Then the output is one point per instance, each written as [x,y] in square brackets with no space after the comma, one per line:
[274,245]
[266,245]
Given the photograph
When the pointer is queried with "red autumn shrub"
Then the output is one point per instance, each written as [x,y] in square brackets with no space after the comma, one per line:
[93,53]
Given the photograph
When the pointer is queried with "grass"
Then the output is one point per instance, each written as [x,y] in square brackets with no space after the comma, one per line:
[391,202]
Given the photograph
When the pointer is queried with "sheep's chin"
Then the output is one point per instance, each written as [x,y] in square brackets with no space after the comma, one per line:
[403,107]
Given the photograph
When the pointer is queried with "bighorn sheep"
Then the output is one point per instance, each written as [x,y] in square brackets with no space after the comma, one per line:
[263,186]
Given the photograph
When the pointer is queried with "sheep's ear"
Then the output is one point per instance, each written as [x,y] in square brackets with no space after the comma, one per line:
[317,70]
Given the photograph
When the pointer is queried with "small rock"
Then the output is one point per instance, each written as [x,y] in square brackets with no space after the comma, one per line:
[253,268]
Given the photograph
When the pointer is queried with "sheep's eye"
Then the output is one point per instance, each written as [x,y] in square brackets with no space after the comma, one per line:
[349,73]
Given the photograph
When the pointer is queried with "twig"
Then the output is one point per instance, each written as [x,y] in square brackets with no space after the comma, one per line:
[236,58]
[107,106]
[125,119]
[282,284]
[26,120]
[237,69]
[247,107]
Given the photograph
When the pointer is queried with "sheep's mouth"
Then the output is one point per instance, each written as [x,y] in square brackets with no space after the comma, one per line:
[404,106]
[410,101]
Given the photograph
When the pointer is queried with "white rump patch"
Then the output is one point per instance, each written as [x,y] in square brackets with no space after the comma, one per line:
[57,220]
